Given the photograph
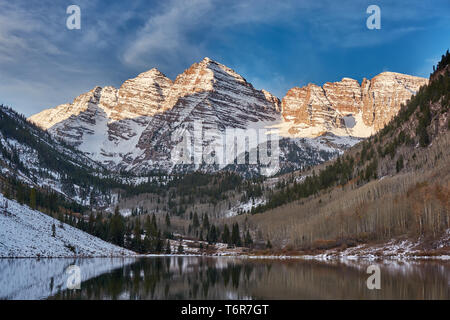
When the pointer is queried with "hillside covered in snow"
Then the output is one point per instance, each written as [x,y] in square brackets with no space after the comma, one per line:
[30,233]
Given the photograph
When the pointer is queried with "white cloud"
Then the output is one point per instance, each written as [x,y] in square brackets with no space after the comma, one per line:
[164,37]
[167,40]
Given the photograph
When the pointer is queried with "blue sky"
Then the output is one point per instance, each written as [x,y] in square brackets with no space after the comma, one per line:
[274,44]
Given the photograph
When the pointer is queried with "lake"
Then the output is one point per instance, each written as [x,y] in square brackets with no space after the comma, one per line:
[190,277]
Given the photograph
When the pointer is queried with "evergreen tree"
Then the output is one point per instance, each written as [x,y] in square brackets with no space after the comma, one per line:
[167,220]
[205,222]
[147,244]
[212,235]
[248,239]
[424,139]
[195,221]
[98,227]
[159,244]
[235,236]
[137,236]
[117,228]
[127,238]
[168,250]
[91,223]
[148,227]
[226,234]
[154,225]
[180,249]
[8,194]
[33,199]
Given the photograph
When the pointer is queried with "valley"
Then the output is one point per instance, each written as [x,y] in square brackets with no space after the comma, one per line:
[360,166]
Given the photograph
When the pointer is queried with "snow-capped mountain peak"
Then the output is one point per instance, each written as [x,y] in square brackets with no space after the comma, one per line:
[132,127]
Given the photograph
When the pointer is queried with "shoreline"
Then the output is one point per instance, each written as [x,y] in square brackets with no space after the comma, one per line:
[316,257]
[400,249]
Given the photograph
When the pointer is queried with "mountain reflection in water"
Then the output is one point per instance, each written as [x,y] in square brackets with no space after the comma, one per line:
[238,278]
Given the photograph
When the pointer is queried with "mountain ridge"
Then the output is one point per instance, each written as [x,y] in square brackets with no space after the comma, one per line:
[131,128]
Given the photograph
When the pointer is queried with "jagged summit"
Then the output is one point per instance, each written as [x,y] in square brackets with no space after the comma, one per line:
[153,72]
[207,61]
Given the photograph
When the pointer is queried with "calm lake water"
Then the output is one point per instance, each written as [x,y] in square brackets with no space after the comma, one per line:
[220,278]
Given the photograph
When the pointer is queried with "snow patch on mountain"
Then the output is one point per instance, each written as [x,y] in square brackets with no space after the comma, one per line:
[244,207]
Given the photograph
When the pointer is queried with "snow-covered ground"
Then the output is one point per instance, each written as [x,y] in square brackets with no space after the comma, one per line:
[395,250]
[28,233]
[245,207]
[192,247]
[27,279]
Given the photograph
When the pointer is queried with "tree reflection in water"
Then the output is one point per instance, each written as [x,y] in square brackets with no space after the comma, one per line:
[236,278]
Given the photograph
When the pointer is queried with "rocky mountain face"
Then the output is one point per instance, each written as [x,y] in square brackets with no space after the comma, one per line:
[212,96]
[347,107]
[138,126]
[141,96]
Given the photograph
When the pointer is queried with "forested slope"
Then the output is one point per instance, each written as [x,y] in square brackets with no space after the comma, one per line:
[396,183]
